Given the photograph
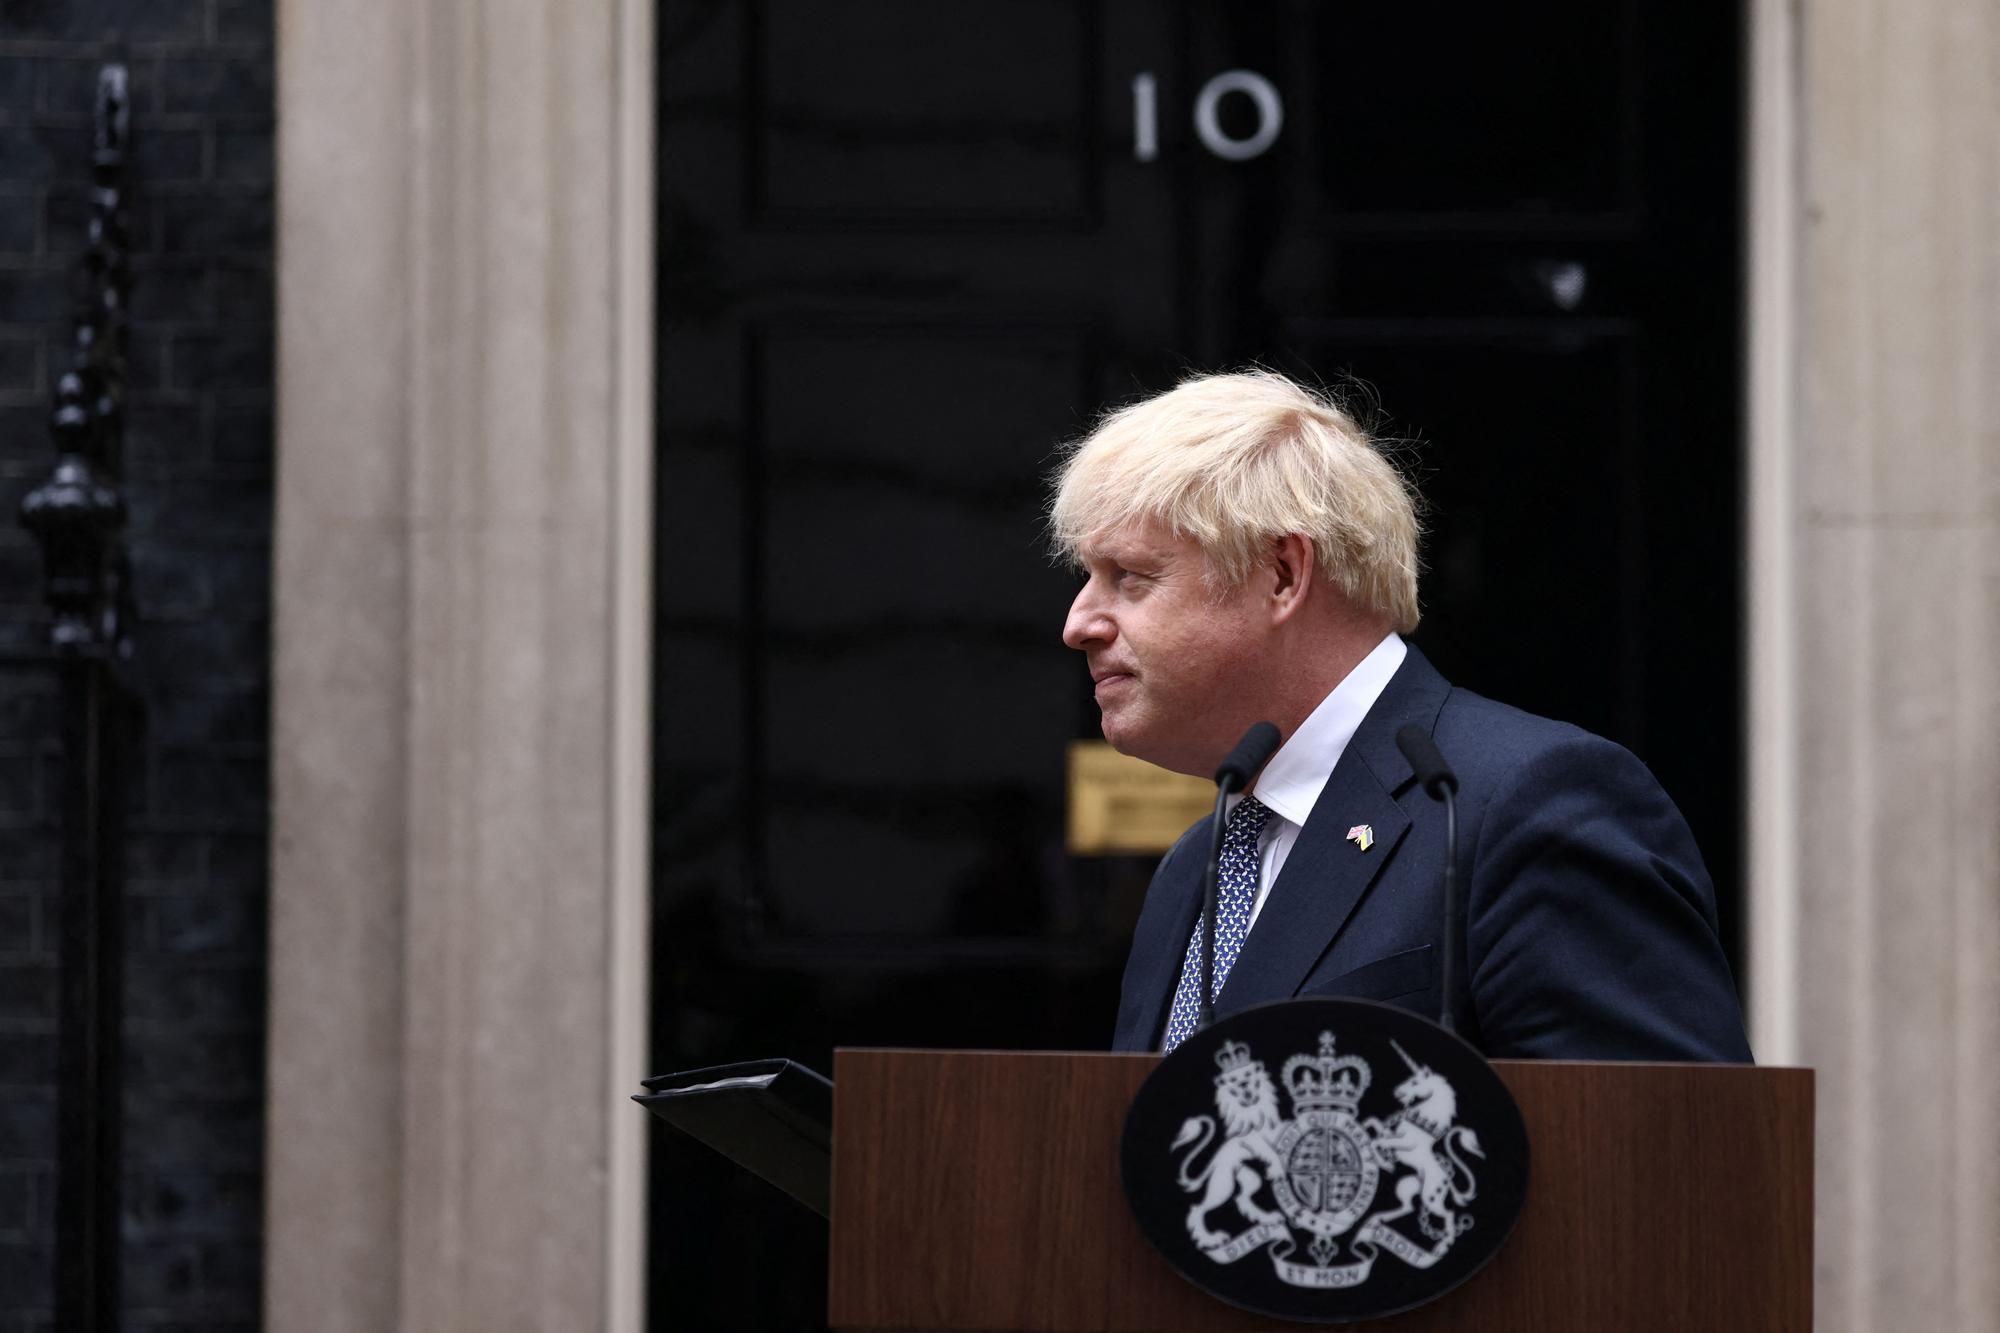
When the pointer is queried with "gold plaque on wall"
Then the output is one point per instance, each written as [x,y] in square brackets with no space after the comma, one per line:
[1124,806]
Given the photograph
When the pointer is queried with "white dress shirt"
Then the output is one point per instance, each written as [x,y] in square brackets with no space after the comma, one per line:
[1291,783]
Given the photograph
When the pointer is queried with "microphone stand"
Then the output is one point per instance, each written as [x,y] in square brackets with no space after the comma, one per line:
[1251,753]
[1448,955]
[1206,1013]
[1431,771]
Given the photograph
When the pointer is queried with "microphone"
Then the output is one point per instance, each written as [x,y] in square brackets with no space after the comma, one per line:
[1422,752]
[1250,754]
[1440,784]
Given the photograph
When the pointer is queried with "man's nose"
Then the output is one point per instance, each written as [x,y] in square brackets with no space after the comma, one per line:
[1087,623]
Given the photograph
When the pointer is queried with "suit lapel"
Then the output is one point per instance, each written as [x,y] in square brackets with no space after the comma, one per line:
[1159,944]
[1326,875]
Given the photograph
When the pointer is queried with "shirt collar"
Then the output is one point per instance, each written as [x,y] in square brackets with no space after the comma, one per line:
[1291,783]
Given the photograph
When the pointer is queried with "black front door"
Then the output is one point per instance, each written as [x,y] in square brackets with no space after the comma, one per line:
[908,248]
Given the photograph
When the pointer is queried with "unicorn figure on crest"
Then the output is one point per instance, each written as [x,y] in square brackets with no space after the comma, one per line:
[1423,1138]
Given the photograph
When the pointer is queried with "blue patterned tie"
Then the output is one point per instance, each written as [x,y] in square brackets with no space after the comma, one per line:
[1235,893]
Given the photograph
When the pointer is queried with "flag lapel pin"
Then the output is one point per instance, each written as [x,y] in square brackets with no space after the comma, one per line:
[1361,836]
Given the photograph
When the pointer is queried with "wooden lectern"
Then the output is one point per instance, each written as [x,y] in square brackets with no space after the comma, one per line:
[980,1190]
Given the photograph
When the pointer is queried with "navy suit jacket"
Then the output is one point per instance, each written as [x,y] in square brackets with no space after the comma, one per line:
[1589,920]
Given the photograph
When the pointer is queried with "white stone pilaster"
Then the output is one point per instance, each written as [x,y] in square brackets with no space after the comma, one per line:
[1878,900]
[458,867]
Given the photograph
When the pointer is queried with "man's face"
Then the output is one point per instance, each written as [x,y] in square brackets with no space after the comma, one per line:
[1173,659]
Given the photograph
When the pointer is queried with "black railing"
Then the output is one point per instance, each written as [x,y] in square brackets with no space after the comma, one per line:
[78,515]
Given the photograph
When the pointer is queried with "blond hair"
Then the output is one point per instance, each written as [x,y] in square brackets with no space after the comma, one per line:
[1236,461]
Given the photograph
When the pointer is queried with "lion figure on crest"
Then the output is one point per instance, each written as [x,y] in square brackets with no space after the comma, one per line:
[1246,1101]
[1413,1138]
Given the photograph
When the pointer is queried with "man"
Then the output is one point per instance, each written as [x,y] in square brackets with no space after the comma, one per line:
[1251,556]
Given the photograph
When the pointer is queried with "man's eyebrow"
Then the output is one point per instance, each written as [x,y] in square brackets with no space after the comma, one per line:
[1126,550]
[1144,553]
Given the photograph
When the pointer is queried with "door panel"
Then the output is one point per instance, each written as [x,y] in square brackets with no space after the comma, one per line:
[913,112]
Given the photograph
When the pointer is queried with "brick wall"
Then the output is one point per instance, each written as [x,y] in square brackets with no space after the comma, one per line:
[198,485]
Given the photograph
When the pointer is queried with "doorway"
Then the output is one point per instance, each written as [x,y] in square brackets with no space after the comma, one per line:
[906,249]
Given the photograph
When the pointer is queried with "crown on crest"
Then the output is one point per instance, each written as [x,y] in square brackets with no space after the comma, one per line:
[1232,1057]
[1326,1082]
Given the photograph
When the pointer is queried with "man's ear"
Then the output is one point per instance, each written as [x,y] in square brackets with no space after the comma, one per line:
[1293,570]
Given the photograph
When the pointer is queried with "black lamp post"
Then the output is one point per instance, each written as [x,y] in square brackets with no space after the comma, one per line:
[78,516]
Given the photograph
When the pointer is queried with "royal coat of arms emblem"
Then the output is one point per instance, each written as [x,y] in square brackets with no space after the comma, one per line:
[1324,1167]
[1325,1159]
